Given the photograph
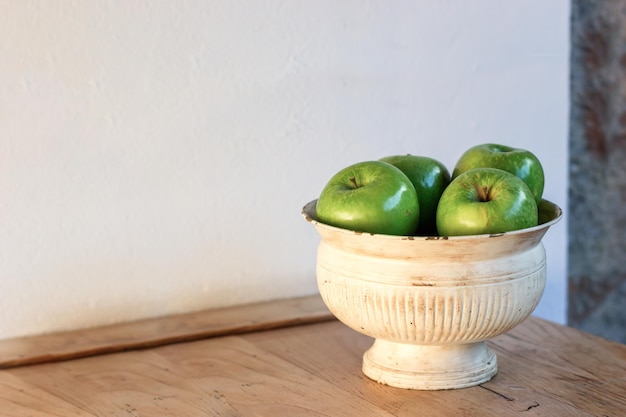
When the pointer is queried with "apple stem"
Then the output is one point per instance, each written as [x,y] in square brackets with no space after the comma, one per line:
[483,192]
[353,181]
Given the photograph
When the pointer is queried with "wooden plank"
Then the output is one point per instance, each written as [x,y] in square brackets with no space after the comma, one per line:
[535,382]
[550,367]
[315,370]
[545,370]
[161,331]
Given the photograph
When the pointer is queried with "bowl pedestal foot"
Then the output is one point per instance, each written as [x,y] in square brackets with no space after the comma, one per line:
[429,367]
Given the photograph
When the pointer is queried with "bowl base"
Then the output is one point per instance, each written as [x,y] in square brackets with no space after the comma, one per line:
[429,367]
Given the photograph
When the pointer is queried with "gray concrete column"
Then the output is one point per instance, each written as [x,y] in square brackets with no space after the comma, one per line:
[597,182]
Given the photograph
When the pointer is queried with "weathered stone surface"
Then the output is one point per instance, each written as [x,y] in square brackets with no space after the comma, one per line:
[597,188]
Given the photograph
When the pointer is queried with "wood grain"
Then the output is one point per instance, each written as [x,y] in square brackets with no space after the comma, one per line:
[159,331]
[315,370]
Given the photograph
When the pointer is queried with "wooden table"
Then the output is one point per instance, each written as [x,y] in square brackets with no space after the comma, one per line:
[291,358]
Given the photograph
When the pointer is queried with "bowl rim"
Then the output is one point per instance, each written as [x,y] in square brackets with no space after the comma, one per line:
[308,212]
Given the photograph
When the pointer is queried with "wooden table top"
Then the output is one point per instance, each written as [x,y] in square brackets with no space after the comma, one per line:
[290,358]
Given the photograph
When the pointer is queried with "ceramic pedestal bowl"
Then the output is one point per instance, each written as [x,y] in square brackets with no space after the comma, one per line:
[431,302]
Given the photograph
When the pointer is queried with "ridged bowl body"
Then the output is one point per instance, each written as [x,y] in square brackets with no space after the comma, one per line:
[431,291]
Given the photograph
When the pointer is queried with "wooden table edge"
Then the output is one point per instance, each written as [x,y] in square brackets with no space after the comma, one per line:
[160,331]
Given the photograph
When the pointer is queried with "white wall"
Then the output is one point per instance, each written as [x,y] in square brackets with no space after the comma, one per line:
[155,155]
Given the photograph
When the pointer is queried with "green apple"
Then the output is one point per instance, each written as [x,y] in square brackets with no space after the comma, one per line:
[485,201]
[520,162]
[372,197]
[429,177]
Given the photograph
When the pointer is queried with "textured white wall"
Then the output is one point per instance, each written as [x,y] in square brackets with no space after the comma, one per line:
[154,155]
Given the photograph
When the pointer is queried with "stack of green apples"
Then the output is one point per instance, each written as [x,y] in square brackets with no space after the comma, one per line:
[493,189]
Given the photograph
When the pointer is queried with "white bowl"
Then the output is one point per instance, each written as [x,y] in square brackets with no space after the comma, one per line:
[431,302]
